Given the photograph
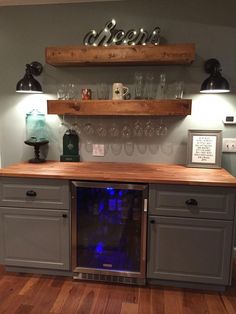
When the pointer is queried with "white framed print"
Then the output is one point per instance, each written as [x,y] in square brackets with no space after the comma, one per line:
[204,148]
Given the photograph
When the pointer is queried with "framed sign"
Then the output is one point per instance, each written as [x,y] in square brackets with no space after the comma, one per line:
[204,148]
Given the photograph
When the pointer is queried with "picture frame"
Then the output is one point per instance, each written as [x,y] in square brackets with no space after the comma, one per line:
[204,148]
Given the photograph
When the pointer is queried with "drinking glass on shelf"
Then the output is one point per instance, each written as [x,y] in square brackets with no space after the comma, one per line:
[72,92]
[149,86]
[179,90]
[138,85]
[161,90]
[62,92]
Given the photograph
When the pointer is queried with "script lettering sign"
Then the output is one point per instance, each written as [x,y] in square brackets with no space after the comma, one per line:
[110,36]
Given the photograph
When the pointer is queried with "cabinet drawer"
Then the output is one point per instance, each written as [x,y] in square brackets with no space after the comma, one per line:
[34,193]
[192,201]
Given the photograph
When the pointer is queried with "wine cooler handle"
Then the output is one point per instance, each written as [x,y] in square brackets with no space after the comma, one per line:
[145,205]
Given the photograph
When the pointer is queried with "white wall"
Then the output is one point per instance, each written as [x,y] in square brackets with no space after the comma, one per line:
[26,30]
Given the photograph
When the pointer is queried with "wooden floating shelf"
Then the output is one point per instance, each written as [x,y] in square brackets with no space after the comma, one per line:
[162,107]
[175,54]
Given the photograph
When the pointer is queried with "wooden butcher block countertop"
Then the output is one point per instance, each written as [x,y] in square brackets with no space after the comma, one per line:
[121,172]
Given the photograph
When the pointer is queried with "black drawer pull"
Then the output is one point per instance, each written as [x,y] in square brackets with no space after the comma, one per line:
[192,202]
[152,222]
[31,193]
[64,215]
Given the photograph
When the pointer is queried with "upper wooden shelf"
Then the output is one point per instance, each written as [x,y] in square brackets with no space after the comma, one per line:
[121,55]
[162,107]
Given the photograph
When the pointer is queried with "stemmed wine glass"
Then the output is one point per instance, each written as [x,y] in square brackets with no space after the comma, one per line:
[162,129]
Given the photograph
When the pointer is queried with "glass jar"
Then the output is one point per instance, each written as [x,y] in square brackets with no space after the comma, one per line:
[36,126]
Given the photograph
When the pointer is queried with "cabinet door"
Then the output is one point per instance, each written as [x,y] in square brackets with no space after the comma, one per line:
[34,238]
[190,250]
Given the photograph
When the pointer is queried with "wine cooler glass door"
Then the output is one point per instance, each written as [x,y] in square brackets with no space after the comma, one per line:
[109,228]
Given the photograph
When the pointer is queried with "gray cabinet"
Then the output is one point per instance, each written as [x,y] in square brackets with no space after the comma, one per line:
[190,234]
[35,223]
[35,238]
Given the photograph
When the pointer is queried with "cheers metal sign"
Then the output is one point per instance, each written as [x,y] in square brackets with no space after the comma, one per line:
[110,36]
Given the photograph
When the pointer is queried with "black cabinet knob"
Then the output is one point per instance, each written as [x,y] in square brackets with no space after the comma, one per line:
[31,193]
[64,215]
[152,222]
[191,202]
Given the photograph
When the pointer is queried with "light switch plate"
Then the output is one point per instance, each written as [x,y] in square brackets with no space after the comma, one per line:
[229,145]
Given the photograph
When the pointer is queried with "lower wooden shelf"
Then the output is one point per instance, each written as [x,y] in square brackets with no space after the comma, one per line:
[157,107]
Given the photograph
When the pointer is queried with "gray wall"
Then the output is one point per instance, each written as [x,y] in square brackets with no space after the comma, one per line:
[26,30]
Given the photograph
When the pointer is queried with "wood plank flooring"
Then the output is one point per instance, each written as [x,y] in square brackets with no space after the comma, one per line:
[35,294]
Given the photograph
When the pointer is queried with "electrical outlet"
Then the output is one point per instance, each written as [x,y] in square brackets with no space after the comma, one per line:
[98,150]
[229,145]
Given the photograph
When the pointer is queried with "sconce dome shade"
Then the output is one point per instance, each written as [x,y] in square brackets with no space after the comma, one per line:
[215,83]
[28,84]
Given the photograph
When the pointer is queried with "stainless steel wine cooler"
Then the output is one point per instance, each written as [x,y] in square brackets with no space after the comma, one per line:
[109,231]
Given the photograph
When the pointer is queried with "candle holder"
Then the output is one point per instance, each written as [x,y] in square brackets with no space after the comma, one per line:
[36,146]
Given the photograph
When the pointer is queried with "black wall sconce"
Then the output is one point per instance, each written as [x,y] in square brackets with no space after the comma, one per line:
[28,84]
[215,83]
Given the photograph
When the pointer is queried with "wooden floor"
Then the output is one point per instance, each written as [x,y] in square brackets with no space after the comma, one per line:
[23,294]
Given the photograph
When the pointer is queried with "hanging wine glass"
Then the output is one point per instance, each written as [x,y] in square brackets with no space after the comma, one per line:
[88,129]
[116,148]
[126,131]
[142,148]
[63,126]
[89,147]
[129,148]
[138,129]
[101,131]
[106,149]
[75,126]
[113,131]
[153,148]
[163,129]
[149,129]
